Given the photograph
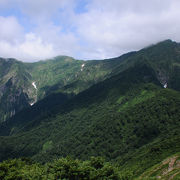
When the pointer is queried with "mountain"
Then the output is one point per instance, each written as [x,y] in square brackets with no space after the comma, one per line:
[130,116]
[16,91]
[23,84]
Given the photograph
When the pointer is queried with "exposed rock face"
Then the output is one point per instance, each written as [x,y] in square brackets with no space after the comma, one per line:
[16,90]
[163,78]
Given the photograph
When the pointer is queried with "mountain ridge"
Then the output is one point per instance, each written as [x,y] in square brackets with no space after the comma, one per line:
[37,80]
[129,115]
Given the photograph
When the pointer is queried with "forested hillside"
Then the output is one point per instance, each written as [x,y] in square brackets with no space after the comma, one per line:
[130,117]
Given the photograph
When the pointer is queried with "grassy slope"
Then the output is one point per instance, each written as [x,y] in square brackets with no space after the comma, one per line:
[167,169]
[65,74]
[61,74]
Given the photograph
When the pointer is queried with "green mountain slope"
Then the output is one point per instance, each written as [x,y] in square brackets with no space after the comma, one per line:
[41,108]
[30,82]
[130,117]
[67,75]
[115,122]
[164,58]
[23,84]
[167,169]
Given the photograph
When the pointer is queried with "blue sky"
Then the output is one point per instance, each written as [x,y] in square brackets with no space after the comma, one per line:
[32,30]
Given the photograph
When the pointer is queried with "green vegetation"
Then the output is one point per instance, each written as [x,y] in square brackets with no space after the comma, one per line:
[67,75]
[90,124]
[167,169]
[62,74]
[127,101]
[47,146]
[65,168]
[115,109]
[14,86]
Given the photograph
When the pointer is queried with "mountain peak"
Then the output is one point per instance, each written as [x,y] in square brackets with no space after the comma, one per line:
[166,42]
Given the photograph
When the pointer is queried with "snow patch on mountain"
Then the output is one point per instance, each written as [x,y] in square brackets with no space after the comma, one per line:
[165,85]
[34,85]
[31,104]
[82,66]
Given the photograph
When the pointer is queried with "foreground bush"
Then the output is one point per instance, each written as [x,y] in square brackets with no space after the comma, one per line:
[64,168]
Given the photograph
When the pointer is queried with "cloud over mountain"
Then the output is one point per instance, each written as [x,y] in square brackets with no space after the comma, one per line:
[33,30]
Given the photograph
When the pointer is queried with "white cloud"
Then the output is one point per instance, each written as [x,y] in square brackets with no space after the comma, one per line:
[10,29]
[30,49]
[117,26]
[105,29]
[34,47]
[41,44]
